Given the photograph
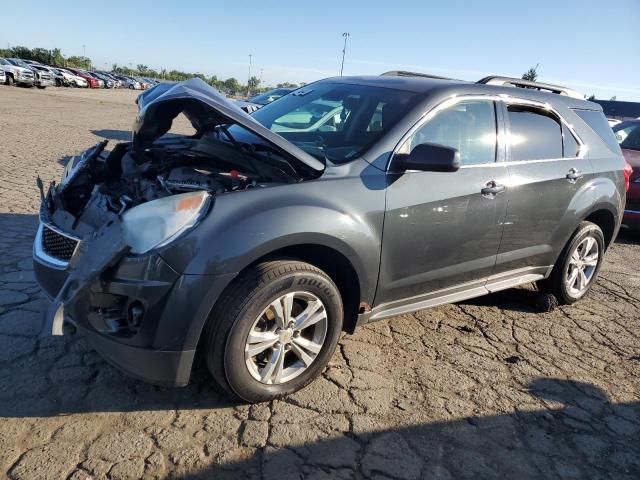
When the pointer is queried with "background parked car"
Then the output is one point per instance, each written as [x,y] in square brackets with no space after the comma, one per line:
[3,77]
[129,82]
[71,79]
[41,79]
[91,80]
[116,82]
[628,136]
[16,74]
[42,72]
[262,99]
[108,82]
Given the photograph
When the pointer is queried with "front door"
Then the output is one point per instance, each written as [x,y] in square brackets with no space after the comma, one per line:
[442,230]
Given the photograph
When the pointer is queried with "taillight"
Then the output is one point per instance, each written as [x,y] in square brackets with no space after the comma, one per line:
[628,171]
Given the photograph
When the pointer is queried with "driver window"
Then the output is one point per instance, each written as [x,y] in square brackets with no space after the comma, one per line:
[469,126]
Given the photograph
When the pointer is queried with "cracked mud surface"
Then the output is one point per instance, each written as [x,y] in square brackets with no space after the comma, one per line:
[487,388]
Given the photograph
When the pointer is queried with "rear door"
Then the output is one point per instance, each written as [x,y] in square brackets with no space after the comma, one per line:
[441,232]
[546,176]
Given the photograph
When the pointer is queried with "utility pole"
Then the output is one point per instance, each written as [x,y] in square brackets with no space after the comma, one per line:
[344,50]
[249,79]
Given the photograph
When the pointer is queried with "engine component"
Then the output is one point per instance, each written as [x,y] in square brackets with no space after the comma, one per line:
[190,178]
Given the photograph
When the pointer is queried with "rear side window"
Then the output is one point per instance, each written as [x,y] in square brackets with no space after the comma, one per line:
[535,134]
[598,123]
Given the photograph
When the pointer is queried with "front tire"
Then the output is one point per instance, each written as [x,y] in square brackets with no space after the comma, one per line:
[274,330]
[577,268]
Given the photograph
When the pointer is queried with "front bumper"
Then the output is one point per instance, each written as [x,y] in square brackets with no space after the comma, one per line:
[24,80]
[38,82]
[139,313]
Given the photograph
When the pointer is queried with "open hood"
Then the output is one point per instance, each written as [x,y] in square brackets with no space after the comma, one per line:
[205,108]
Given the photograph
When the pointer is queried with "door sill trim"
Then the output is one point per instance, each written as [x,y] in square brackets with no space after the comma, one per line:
[457,293]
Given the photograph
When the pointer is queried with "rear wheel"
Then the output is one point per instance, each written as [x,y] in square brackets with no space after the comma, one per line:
[578,265]
[275,331]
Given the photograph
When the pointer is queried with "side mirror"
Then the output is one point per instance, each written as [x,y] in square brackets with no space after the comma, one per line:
[430,157]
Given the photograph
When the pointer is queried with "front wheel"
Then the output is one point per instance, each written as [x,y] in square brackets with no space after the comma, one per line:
[578,265]
[41,88]
[274,330]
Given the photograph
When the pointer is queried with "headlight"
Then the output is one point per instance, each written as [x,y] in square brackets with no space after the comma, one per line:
[156,223]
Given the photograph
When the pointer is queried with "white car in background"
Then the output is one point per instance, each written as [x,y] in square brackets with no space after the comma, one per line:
[72,79]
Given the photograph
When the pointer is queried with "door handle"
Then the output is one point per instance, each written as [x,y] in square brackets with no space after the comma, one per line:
[574,174]
[492,188]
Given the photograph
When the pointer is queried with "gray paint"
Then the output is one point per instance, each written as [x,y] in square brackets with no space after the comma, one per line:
[414,239]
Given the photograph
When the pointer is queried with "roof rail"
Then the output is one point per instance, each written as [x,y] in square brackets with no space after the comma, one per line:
[403,73]
[519,82]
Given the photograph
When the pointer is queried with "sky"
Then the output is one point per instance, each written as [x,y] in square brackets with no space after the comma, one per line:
[589,45]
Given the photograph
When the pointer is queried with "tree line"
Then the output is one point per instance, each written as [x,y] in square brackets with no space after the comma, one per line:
[54,57]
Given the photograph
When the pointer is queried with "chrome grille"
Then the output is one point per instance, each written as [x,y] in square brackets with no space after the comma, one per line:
[57,245]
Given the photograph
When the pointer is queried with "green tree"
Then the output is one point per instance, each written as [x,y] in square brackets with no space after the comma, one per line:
[253,83]
[531,74]
[232,85]
[79,62]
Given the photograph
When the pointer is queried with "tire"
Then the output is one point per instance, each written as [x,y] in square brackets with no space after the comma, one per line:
[10,80]
[247,306]
[41,88]
[560,282]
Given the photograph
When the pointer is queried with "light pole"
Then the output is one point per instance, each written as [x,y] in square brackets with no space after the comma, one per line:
[84,55]
[344,50]
[249,79]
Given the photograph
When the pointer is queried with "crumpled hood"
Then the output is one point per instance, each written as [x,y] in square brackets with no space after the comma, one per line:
[205,108]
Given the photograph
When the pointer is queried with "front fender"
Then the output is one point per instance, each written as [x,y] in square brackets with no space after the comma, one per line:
[243,227]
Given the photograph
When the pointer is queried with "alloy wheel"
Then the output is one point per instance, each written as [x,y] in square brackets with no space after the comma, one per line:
[582,266]
[286,338]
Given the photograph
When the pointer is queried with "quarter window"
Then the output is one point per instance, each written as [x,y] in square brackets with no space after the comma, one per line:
[535,133]
[468,126]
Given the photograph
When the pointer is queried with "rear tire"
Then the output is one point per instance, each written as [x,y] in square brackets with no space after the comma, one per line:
[577,267]
[253,313]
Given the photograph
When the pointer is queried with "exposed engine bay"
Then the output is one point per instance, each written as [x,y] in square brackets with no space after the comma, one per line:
[126,177]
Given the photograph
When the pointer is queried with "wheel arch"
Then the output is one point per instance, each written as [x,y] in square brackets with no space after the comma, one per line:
[606,220]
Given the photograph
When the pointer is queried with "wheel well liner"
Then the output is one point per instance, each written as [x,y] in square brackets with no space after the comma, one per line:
[606,221]
[334,264]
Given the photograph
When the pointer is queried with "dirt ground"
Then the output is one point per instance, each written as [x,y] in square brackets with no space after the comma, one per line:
[488,388]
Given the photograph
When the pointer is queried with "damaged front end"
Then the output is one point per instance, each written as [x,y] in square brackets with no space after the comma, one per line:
[97,252]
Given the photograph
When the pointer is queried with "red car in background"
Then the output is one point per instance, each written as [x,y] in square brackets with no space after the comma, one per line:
[628,136]
[91,81]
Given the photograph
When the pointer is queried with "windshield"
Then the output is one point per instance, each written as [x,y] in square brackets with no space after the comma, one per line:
[4,62]
[332,120]
[19,63]
[628,135]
